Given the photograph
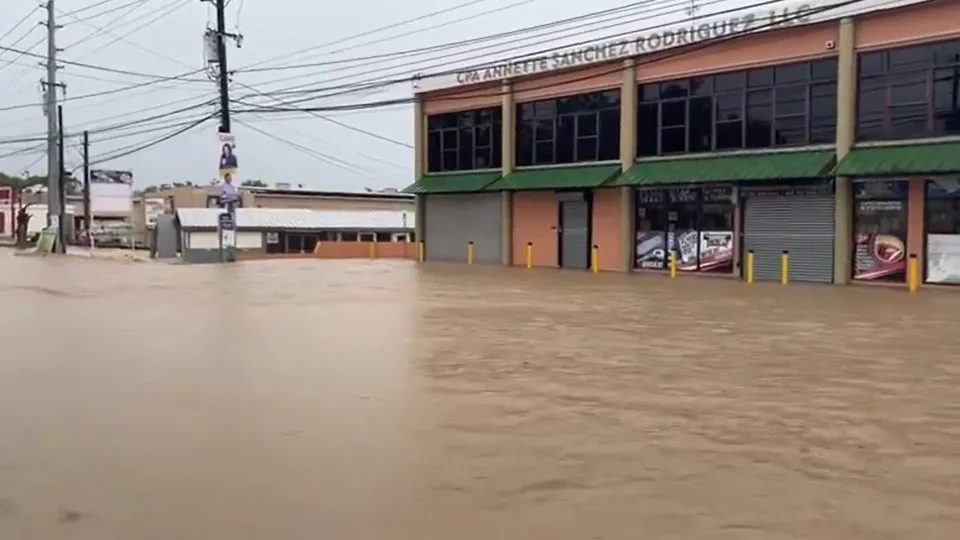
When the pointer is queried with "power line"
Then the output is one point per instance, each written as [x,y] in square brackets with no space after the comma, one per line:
[133,7]
[102,13]
[332,121]
[548,84]
[472,17]
[603,17]
[124,152]
[168,10]
[104,30]
[97,67]
[330,160]
[17,25]
[370,32]
[380,81]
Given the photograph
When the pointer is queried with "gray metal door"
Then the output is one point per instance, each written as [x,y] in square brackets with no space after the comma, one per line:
[452,221]
[803,225]
[574,234]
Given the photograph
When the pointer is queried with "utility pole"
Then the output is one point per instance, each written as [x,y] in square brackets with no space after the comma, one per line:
[86,182]
[224,78]
[50,87]
[61,188]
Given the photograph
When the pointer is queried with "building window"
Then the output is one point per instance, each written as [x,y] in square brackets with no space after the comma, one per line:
[574,129]
[695,223]
[909,93]
[942,219]
[880,225]
[790,105]
[464,141]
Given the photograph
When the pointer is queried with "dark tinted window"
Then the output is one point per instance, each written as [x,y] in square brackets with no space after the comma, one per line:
[908,93]
[787,105]
[464,141]
[570,129]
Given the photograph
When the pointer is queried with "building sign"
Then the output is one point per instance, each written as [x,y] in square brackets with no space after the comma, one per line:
[228,230]
[659,38]
[153,208]
[111,192]
[787,191]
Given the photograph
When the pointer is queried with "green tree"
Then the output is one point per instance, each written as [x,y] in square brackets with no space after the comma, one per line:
[254,183]
[19,184]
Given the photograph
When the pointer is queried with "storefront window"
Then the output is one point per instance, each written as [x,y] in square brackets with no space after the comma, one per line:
[880,224]
[695,223]
[943,231]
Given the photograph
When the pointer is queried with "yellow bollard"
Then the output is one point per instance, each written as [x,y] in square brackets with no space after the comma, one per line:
[673,263]
[469,252]
[420,251]
[373,250]
[595,259]
[529,255]
[784,267]
[913,273]
[749,268]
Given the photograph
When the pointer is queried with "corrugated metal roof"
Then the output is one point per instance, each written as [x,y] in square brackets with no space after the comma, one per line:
[299,218]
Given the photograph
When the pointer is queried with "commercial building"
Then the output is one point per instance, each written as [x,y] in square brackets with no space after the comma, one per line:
[830,130]
[264,233]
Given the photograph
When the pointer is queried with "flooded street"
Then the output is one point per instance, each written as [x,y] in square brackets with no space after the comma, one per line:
[299,400]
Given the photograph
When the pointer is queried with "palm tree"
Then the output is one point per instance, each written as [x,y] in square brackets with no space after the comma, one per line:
[18,185]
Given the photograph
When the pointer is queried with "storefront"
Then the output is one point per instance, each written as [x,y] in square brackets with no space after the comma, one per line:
[880,230]
[798,219]
[942,225]
[695,222]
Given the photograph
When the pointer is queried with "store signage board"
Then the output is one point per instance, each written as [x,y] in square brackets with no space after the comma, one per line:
[788,191]
[661,34]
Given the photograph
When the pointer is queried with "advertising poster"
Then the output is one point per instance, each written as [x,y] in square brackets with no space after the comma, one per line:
[111,191]
[228,169]
[943,258]
[879,256]
[152,209]
[715,250]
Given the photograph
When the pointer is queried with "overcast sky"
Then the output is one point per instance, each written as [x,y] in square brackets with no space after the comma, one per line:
[165,38]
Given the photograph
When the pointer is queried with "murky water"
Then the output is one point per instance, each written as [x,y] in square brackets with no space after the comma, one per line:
[356,400]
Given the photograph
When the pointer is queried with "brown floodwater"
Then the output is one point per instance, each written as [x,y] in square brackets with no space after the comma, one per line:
[365,400]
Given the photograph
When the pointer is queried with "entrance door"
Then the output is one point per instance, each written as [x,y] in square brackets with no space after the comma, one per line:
[574,230]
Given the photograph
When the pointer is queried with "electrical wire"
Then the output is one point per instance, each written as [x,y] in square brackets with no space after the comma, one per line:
[330,160]
[547,84]
[133,7]
[134,44]
[93,66]
[124,152]
[380,81]
[640,61]
[101,3]
[179,77]
[337,122]
[454,44]
[18,23]
[472,17]
[170,9]
[370,32]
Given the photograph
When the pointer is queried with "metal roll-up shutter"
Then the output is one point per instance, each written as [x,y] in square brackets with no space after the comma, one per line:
[454,220]
[575,234]
[803,225]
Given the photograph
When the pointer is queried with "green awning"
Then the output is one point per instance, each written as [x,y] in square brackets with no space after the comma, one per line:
[556,178]
[730,168]
[453,182]
[931,158]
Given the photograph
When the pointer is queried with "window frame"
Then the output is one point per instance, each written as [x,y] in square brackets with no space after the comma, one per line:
[738,86]
[532,117]
[881,66]
[463,125]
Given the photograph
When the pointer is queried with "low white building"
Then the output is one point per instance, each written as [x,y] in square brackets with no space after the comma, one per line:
[283,230]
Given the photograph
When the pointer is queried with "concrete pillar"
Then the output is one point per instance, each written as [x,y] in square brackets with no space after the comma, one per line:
[846,131]
[419,151]
[628,155]
[508,127]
